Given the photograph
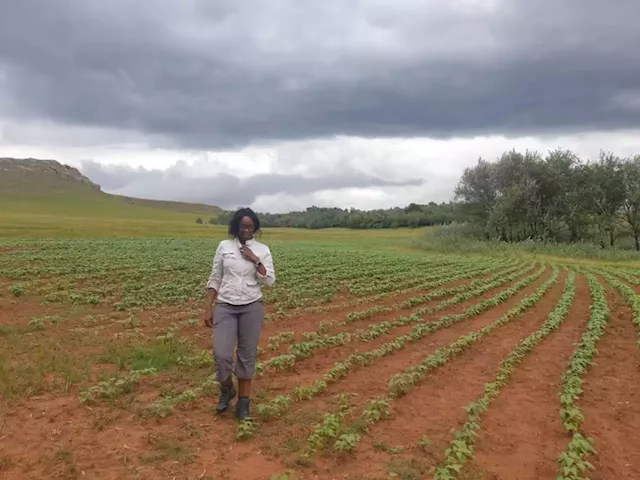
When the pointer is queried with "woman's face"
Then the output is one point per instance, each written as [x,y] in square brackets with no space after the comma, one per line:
[246,229]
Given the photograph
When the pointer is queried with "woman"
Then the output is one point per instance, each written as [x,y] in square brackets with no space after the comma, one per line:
[240,266]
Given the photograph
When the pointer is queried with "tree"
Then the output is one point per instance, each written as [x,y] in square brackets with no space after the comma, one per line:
[631,203]
[553,198]
[607,195]
[478,187]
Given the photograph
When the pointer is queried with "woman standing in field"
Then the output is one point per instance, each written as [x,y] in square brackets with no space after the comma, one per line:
[241,265]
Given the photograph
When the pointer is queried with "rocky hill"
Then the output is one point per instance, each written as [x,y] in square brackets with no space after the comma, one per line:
[31,176]
[23,179]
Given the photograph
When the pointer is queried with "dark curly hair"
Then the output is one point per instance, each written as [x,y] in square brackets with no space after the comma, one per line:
[234,223]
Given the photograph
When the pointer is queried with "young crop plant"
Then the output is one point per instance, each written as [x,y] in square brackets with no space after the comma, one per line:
[280,338]
[163,407]
[246,429]
[402,383]
[462,446]
[201,359]
[506,273]
[275,408]
[449,276]
[344,367]
[630,295]
[317,341]
[331,433]
[110,389]
[572,463]
[495,280]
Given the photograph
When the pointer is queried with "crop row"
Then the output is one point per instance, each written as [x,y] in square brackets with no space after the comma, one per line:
[136,270]
[352,317]
[462,446]
[308,348]
[630,295]
[131,274]
[402,383]
[341,369]
[378,409]
[104,389]
[280,404]
[630,276]
[401,289]
[393,284]
[573,463]
[327,325]
[433,295]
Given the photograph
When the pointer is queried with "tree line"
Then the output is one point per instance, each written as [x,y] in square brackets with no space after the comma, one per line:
[412,216]
[554,198]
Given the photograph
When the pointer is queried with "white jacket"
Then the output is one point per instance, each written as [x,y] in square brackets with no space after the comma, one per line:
[237,280]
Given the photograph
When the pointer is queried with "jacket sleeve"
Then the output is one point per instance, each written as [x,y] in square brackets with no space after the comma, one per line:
[215,279]
[267,260]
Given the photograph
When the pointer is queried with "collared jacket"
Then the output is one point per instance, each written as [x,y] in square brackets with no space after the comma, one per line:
[236,279]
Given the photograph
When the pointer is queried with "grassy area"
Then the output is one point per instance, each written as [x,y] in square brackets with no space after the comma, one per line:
[97,215]
[452,240]
[46,199]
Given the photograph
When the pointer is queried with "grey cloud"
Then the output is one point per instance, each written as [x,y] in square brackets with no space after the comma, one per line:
[218,74]
[222,189]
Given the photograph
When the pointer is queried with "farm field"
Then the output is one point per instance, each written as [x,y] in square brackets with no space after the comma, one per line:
[375,362]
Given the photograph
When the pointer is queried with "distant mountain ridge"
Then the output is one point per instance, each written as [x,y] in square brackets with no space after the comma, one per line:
[17,173]
[32,177]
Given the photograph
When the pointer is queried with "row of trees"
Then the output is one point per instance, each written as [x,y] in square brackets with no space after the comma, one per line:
[412,216]
[521,196]
[556,198]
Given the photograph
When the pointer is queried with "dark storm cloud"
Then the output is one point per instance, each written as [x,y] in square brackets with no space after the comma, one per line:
[212,74]
[223,190]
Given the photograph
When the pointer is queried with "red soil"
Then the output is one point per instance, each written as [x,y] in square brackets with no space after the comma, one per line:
[514,445]
[374,377]
[611,398]
[310,322]
[437,404]
[57,437]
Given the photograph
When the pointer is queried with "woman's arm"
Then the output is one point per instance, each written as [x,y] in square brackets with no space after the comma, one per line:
[264,266]
[215,279]
[213,284]
[266,271]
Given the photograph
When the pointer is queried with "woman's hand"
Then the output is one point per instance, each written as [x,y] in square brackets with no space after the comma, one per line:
[248,254]
[207,317]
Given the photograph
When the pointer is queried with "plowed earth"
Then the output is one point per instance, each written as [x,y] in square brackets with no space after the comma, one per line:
[47,432]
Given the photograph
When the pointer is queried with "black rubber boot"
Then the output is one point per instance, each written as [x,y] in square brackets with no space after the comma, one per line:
[243,408]
[227,393]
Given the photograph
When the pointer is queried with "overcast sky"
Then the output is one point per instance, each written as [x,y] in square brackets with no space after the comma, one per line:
[281,104]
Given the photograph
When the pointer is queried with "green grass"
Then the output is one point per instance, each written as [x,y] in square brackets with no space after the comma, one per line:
[38,204]
[97,215]
[94,214]
[451,240]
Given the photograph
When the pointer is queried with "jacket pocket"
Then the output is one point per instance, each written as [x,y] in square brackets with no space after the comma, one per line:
[227,288]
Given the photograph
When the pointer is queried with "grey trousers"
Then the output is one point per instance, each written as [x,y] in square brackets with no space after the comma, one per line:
[244,324]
